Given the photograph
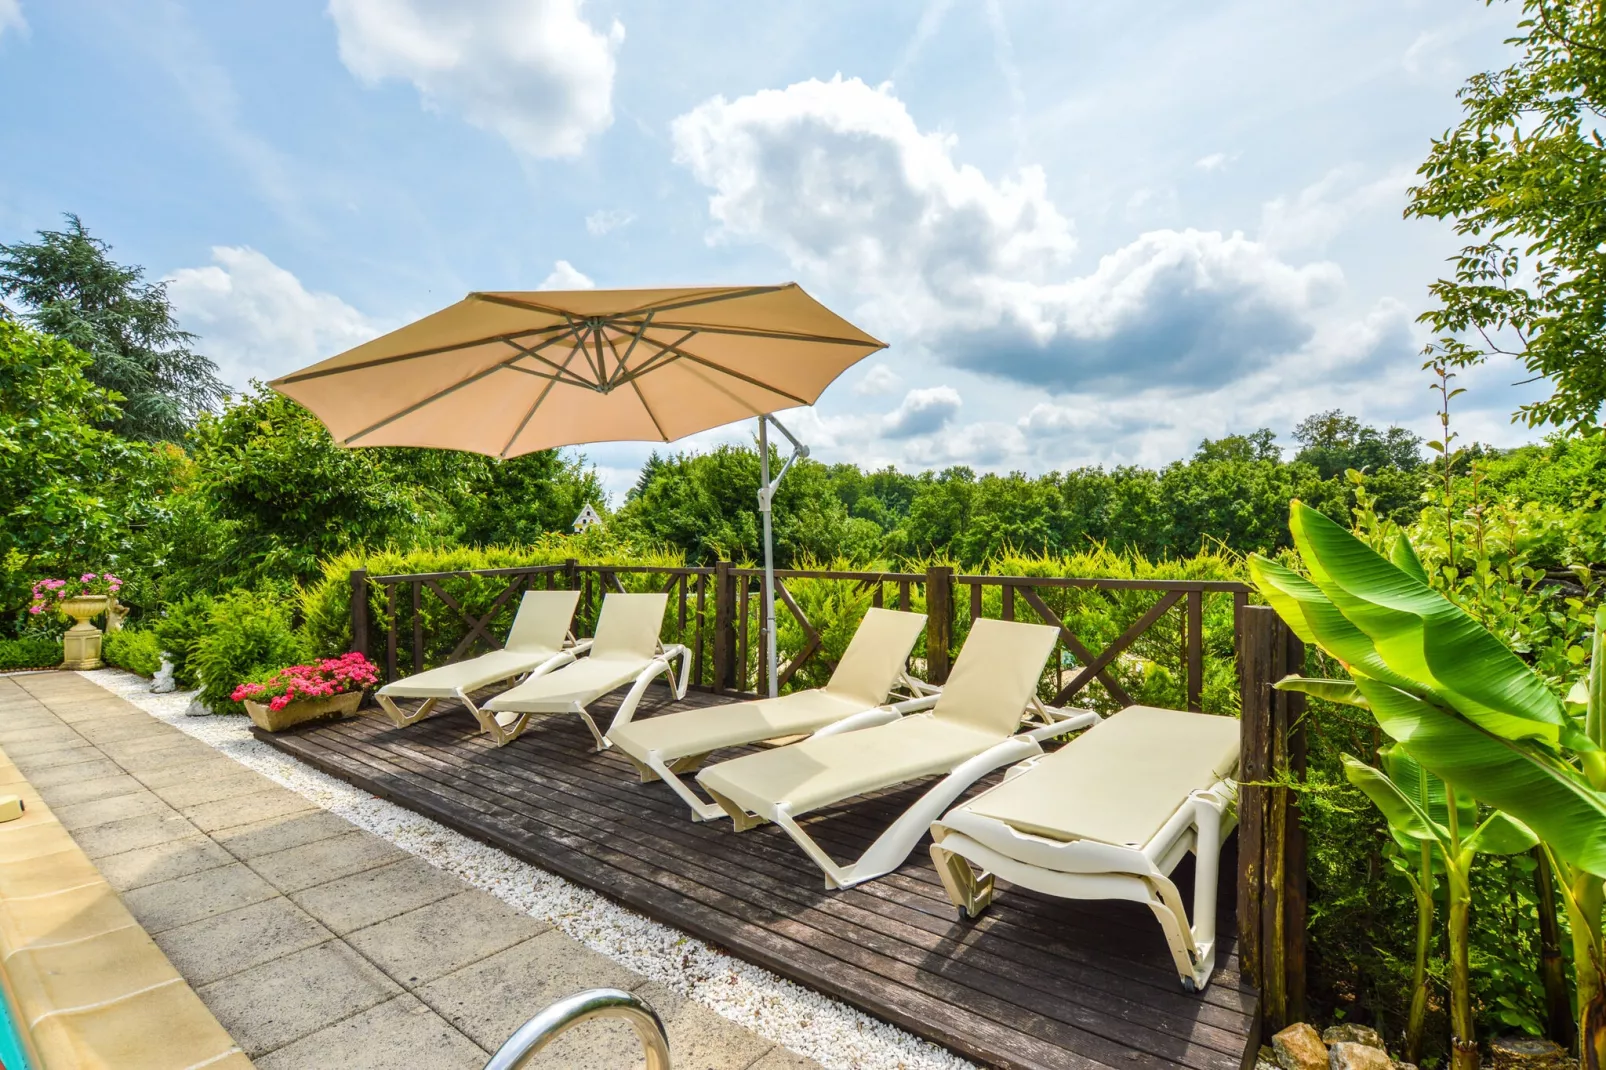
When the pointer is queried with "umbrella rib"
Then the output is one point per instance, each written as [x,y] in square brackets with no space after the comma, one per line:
[299,377]
[562,369]
[708,299]
[552,382]
[695,359]
[657,360]
[779,336]
[635,337]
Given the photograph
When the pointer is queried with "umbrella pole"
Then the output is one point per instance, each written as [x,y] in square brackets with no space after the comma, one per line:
[766,497]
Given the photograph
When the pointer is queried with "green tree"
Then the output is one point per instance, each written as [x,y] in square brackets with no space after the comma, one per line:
[1524,177]
[1333,442]
[69,286]
[72,496]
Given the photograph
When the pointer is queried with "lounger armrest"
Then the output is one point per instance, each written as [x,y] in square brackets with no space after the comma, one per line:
[868,719]
[1073,723]
[914,705]
[578,647]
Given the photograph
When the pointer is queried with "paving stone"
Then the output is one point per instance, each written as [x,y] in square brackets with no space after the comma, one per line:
[215,766]
[398,1032]
[697,1036]
[491,998]
[220,946]
[326,860]
[89,768]
[115,837]
[78,791]
[167,758]
[167,739]
[162,862]
[271,802]
[108,732]
[32,763]
[271,1005]
[435,940]
[281,833]
[179,901]
[86,815]
[361,899]
[17,732]
[228,784]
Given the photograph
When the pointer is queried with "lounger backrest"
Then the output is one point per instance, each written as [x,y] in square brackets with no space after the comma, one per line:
[876,655]
[996,675]
[542,621]
[628,626]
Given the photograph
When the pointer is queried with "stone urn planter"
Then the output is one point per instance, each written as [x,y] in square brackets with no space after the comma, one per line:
[302,710]
[81,645]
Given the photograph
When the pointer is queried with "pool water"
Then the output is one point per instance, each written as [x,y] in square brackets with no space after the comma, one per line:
[12,1056]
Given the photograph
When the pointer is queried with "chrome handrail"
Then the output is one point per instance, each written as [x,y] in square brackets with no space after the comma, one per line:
[544,1028]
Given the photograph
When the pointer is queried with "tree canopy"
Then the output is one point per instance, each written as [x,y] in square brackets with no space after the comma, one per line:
[1524,177]
[69,286]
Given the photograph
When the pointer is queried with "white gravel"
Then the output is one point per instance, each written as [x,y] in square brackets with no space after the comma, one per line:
[826,1030]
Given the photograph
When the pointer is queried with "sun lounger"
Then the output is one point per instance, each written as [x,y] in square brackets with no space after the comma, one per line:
[536,644]
[1108,816]
[873,664]
[624,651]
[973,729]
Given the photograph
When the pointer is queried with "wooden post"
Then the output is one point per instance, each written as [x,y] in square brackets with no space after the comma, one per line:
[359,612]
[939,621]
[724,627]
[1195,649]
[1271,840]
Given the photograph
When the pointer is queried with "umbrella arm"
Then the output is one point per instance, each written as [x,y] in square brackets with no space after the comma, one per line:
[766,498]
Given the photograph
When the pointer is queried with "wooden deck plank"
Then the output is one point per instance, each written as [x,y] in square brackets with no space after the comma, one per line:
[1036,983]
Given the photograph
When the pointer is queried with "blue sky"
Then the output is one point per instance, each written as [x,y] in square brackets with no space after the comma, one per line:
[1092,232]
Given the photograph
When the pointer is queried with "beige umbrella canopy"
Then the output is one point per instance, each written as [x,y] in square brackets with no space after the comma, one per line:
[509,373]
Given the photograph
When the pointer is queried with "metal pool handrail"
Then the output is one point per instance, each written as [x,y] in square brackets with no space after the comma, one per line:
[544,1028]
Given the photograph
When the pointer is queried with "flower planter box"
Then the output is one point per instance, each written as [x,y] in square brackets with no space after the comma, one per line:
[302,710]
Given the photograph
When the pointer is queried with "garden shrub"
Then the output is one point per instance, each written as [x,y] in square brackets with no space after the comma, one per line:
[29,652]
[135,649]
[249,633]
[179,633]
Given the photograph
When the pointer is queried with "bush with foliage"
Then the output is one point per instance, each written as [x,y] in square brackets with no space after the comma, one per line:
[137,650]
[182,626]
[249,634]
[29,652]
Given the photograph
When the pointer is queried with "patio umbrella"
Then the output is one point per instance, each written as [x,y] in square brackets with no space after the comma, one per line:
[505,374]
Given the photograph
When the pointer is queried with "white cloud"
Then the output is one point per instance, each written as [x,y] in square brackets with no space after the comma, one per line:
[601,222]
[880,379]
[1317,214]
[534,71]
[1213,162]
[922,412]
[837,176]
[565,276]
[257,320]
[11,17]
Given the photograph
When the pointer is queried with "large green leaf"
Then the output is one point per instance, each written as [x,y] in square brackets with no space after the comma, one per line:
[1422,636]
[1595,715]
[1343,692]
[1403,554]
[1500,834]
[1427,790]
[1315,619]
[1516,776]
[1406,819]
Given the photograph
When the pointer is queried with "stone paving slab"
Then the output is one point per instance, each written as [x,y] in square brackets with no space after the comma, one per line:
[317,944]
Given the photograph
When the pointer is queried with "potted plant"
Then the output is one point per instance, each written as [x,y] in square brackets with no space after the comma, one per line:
[331,687]
[90,595]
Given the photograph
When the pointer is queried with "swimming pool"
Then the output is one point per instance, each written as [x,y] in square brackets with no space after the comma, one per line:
[13,1056]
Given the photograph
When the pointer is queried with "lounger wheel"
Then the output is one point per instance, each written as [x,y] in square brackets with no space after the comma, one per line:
[1190,986]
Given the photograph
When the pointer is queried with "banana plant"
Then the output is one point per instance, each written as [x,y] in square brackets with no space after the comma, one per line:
[1467,709]
[1427,816]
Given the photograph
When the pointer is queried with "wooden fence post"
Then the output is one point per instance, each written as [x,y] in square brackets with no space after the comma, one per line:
[724,627]
[939,621]
[1271,840]
[359,612]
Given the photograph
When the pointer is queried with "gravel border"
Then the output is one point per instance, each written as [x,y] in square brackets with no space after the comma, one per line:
[826,1030]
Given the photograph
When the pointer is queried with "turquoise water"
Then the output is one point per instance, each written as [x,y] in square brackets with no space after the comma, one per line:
[11,1053]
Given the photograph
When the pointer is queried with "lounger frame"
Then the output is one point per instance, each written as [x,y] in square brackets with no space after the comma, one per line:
[487,721]
[662,663]
[671,769]
[1085,869]
[892,847]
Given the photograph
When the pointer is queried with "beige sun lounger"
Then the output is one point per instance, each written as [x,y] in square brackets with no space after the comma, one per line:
[537,643]
[873,664]
[1108,816]
[973,729]
[624,651]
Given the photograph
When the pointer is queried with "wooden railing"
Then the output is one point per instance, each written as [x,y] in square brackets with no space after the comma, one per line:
[400,620]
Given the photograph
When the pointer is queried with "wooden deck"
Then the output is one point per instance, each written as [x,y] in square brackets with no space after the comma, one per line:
[1036,983]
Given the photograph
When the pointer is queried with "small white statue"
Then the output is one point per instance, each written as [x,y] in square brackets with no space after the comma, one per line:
[163,683]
